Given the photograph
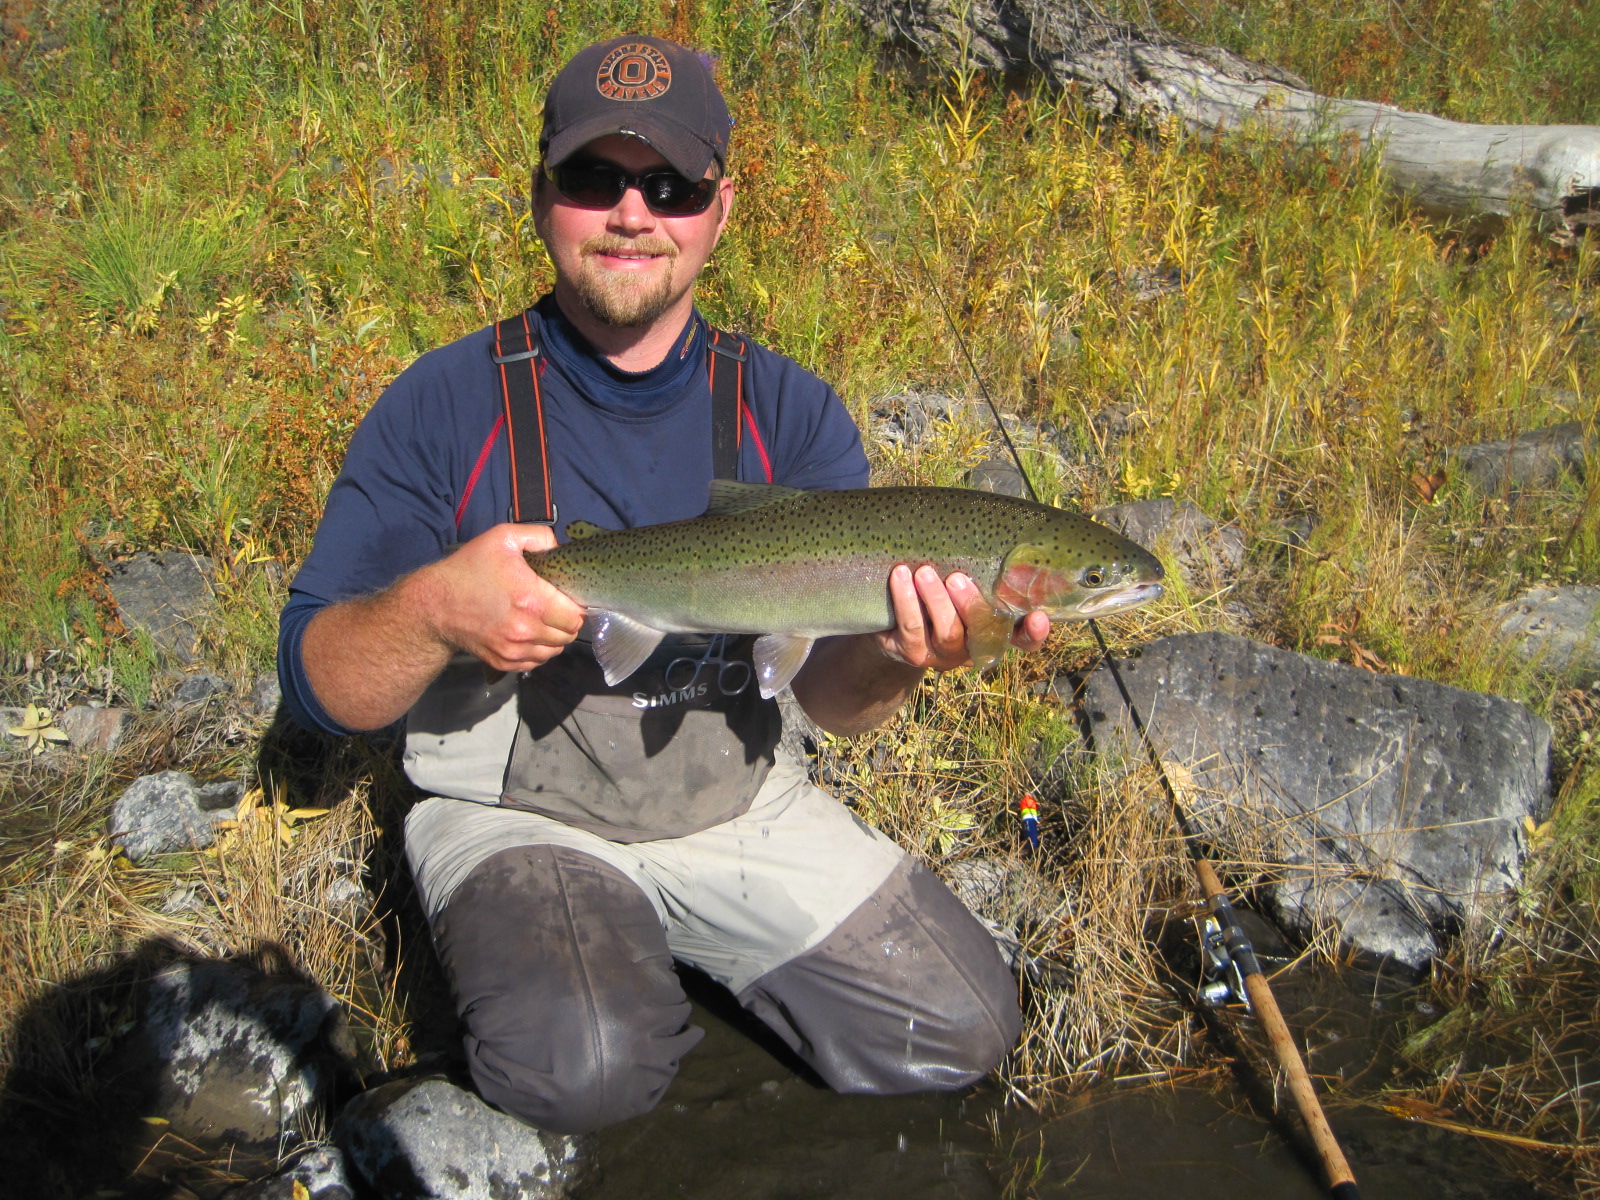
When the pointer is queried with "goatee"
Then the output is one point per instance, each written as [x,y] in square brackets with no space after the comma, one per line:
[621,298]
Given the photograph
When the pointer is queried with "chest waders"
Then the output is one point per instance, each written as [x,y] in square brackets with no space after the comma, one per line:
[671,750]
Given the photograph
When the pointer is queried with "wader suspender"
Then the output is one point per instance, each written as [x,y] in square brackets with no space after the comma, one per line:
[517,354]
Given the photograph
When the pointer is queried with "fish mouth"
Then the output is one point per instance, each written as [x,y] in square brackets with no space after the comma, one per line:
[1119,599]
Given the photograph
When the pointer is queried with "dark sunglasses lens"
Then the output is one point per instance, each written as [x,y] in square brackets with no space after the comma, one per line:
[670,194]
[591,184]
[601,185]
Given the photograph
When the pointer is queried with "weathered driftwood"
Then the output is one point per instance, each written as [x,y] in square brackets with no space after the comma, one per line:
[1447,167]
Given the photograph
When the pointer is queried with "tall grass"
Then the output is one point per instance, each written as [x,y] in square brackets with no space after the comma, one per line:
[223,229]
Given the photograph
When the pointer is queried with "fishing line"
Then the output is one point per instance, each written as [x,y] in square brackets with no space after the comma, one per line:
[1241,953]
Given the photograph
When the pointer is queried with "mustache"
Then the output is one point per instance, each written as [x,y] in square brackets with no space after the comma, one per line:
[611,243]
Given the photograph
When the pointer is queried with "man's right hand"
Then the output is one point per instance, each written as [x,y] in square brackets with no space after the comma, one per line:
[484,599]
[369,659]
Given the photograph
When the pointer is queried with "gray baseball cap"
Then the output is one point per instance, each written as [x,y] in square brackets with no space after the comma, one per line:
[648,87]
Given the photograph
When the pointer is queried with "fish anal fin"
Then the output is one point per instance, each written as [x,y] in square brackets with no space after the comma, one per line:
[729,497]
[779,657]
[621,643]
[989,636]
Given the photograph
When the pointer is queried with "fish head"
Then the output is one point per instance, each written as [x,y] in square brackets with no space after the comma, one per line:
[1078,569]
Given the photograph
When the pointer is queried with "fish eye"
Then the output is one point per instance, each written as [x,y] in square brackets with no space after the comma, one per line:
[1094,577]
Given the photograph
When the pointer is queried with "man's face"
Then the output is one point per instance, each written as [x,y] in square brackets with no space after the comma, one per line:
[627,266]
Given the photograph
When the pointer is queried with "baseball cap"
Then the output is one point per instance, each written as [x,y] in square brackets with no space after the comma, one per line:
[653,89]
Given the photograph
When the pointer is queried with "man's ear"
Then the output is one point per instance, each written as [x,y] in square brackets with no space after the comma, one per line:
[725,199]
[538,202]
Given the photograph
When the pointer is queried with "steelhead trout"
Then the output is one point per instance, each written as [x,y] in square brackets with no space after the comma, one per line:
[794,566]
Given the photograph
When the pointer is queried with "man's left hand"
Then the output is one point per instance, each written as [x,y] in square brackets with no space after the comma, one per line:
[932,616]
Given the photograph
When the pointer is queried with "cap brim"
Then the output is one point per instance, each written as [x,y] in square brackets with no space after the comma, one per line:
[689,155]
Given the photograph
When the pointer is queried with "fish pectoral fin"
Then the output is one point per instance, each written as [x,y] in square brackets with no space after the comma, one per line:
[729,497]
[989,636]
[779,657]
[578,530]
[621,643]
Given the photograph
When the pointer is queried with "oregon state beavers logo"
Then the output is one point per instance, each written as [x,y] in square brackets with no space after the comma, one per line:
[634,71]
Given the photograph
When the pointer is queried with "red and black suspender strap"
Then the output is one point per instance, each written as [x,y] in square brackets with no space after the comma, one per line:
[516,353]
[725,364]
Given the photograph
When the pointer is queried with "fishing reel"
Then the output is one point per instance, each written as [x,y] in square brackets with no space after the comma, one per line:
[1222,980]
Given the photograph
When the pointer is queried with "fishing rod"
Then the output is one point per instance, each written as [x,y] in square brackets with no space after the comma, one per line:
[1236,948]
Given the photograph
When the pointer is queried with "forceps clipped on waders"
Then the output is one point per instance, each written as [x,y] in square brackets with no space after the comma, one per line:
[733,674]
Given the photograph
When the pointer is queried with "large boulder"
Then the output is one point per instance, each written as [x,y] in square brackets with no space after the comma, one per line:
[167,595]
[229,1053]
[426,1139]
[1395,805]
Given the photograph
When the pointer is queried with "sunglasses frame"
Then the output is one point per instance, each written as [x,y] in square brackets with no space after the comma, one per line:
[629,179]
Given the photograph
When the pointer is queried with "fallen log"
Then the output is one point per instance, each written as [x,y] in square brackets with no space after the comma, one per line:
[1448,168]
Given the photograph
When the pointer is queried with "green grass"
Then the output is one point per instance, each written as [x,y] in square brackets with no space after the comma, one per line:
[223,228]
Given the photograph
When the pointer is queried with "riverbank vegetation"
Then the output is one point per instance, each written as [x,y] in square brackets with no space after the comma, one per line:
[224,227]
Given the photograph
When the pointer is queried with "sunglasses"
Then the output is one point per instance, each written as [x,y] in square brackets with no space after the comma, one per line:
[595,183]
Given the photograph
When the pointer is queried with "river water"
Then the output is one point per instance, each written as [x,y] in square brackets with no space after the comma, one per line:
[742,1121]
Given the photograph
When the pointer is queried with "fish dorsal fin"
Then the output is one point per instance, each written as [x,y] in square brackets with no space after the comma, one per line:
[578,530]
[729,497]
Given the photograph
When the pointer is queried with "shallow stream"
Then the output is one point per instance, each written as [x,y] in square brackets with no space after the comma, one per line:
[739,1121]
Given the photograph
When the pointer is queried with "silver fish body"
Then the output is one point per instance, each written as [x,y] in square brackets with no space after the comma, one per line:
[793,566]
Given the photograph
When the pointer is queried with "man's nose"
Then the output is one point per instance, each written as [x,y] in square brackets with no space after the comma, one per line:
[631,214]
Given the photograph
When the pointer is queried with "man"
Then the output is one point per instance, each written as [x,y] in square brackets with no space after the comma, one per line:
[578,838]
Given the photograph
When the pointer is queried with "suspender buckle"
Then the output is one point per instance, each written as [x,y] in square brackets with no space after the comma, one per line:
[552,521]
[522,356]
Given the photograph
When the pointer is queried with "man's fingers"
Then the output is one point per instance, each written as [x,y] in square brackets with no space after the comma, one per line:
[524,538]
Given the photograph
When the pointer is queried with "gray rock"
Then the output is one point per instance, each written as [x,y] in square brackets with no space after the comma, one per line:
[426,1138]
[907,418]
[166,595]
[999,474]
[1530,460]
[95,730]
[1395,804]
[168,812]
[1206,553]
[1557,627]
[197,689]
[320,1173]
[265,695]
[9,745]
[233,1053]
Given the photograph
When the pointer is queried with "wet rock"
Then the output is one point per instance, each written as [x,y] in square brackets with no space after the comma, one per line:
[167,595]
[230,1052]
[95,730]
[320,1174]
[998,474]
[265,695]
[1559,628]
[169,811]
[197,689]
[426,1138]
[1530,460]
[1395,805]
[1205,552]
